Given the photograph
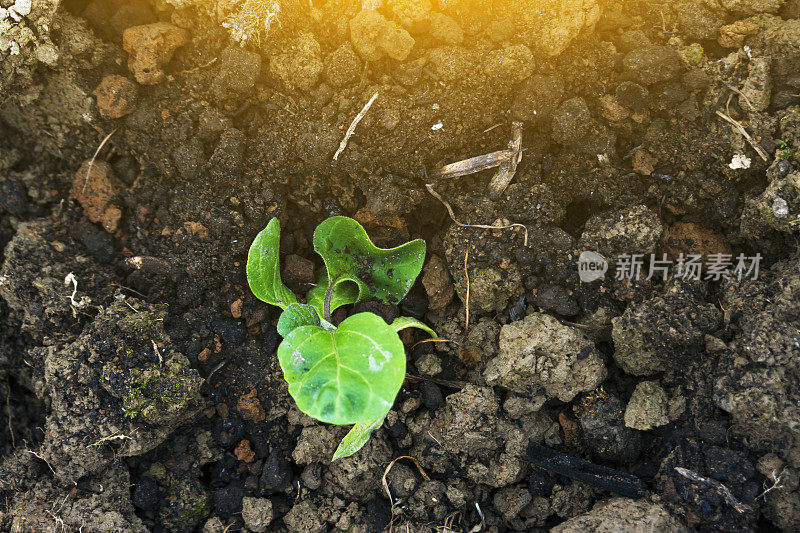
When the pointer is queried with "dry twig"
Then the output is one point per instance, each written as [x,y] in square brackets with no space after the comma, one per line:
[474,164]
[744,133]
[444,202]
[352,128]
[777,483]
[389,467]
[466,275]
[198,67]
[508,168]
[91,162]
[719,487]
[116,436]
[42,459]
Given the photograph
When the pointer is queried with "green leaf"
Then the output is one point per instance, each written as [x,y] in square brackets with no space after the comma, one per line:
[297,315]
[342,294]
[356,438]
[349,255]
[402,322]
[346,376]
[264,267]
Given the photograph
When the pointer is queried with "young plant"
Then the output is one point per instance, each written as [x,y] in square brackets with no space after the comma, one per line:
[350,373]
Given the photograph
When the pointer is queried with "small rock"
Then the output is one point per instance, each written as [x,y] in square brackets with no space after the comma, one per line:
[757,89]
[697,21]
[445,29]
[312,476]
[622,514]
[196,229]
[257,514]
[250,407]
[244,452]
[316,444]
[373,36]
[648,339]
[654,64]
[539,351]
[780,208]
[151,47]
[236,308]
[429,364]
[437,283]
[510,501]
[277,475]
[571,122]
[238,72]
[305,517]
[431,396]
[343,66]
[632,231]
[633,96]
[116,96]
[402,480]
[301,66]
[696,79]
[555,298]
[147,495]
[97,193]
[611,109]
[519,406]
[509,65]
[632,40]
[643,162]
[733,35]
[648,407]
[214,525]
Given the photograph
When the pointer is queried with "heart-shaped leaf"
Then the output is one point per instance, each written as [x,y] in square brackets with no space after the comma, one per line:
[349,375]
[356,438]
[264,267]
[296,315]
[342,294]
[349,255]
[402,322]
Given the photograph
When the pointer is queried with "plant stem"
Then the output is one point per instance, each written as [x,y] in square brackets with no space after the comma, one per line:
[328,295]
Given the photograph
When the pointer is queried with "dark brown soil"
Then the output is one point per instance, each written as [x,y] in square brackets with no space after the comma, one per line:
[143,146]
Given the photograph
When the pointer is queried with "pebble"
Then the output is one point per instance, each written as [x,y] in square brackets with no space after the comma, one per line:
[147,495]
[98,194]
[151,47]
[437,283]
[431,395]
[257,514]
[277,474]
[647,407]
[374,36]
[116,96]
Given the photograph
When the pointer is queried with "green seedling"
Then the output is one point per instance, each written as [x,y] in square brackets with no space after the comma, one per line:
[350,373]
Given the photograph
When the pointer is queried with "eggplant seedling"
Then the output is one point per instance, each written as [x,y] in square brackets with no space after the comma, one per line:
[350,373]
